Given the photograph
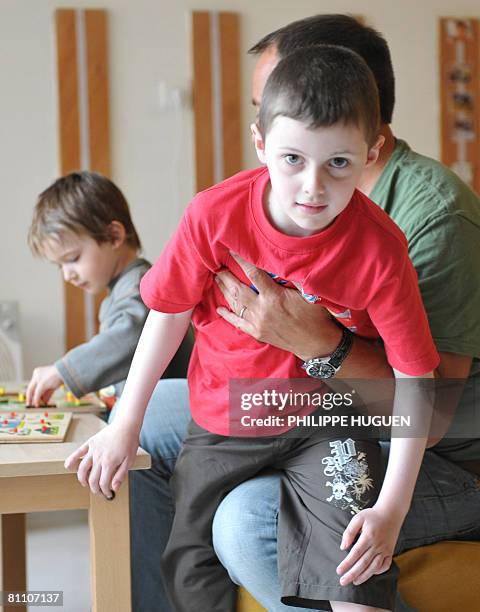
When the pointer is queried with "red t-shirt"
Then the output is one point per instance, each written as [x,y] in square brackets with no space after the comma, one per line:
[358,268]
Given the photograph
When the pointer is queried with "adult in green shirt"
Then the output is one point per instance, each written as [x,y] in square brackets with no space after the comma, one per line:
[440,217]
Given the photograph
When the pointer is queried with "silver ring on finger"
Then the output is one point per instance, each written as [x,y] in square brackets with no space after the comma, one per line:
[242,312]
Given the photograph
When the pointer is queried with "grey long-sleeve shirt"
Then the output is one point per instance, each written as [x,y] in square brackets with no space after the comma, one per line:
[105,359]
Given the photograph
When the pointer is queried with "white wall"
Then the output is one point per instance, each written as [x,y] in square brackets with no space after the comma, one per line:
[149,42]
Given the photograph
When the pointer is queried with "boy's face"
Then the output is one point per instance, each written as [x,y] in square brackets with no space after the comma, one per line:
[313,172]
[84,263]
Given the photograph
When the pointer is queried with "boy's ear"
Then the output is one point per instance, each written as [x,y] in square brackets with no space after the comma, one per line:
[116,233]
[258,142]
[374,151]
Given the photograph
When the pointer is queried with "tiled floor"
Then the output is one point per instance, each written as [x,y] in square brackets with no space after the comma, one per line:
[58,557]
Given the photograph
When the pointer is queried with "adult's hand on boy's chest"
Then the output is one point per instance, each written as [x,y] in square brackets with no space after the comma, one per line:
[276,315]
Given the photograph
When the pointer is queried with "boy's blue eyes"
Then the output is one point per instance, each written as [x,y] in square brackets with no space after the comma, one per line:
[339,162]
[292,159]
[336,162]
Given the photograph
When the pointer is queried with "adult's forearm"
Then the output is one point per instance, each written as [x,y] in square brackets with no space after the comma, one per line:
[366,360]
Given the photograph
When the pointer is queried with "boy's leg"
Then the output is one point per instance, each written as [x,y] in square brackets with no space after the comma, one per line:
[208,467]
[245,538]
[326,483]
[151,503]
[445,505]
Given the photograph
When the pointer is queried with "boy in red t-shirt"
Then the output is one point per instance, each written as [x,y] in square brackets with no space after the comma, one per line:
[301,220]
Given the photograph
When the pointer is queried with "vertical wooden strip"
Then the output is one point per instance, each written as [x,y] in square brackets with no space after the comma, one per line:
[202,100]
[98,95]
[98,102]
[13,554]
[69,130]
[67,90]
[231,93]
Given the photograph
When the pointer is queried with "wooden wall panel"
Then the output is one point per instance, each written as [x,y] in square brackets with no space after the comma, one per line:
[69,120]
[98,94]
[82,147]
[202,100]
[98,102]
[216,96]
[231,92]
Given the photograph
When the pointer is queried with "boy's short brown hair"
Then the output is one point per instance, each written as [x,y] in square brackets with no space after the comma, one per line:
[80,203]
[321,86]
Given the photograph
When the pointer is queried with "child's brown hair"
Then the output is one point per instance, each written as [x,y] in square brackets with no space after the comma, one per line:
[321,86]
[80,203]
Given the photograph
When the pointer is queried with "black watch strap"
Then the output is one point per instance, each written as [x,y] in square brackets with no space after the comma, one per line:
[326,367]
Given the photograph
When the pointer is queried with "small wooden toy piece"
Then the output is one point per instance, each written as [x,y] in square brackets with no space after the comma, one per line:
[71,401]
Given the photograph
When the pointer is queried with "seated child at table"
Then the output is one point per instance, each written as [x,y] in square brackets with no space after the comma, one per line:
[82,223]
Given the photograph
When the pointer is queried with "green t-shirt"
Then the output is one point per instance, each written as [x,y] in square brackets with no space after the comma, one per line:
[440,217]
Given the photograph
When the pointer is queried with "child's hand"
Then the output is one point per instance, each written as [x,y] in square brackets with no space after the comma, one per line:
[105,458]
[43,383]
[373,551]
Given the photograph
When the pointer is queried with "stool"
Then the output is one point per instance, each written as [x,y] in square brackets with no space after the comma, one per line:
[442,577]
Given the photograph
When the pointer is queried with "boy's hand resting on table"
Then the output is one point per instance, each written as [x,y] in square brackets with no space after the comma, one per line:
[105,458]
[372,553]
[45,380]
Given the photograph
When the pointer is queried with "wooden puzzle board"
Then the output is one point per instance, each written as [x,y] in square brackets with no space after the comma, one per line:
[34,426]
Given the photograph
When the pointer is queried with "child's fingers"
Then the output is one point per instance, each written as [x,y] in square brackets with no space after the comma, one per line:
[46,395]
[358,568]
[372,568]
[37,395]
[355,562]
[84,469]
[351,531]
[386,563]
[120,475]
[76,456]
[30,391]
[94,477]
[105,481]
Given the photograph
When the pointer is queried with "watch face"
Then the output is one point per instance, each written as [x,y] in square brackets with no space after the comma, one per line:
[321,370]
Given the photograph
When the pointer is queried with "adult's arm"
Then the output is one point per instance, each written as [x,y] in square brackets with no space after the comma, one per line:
[281,317]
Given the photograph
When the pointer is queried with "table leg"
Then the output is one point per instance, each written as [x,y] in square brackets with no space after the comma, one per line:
[110,552]
[13,556]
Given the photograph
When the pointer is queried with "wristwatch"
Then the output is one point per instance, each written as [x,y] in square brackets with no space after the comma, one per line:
[326,367]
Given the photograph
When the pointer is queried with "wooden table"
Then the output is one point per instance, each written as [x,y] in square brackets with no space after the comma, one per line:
[33,479]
